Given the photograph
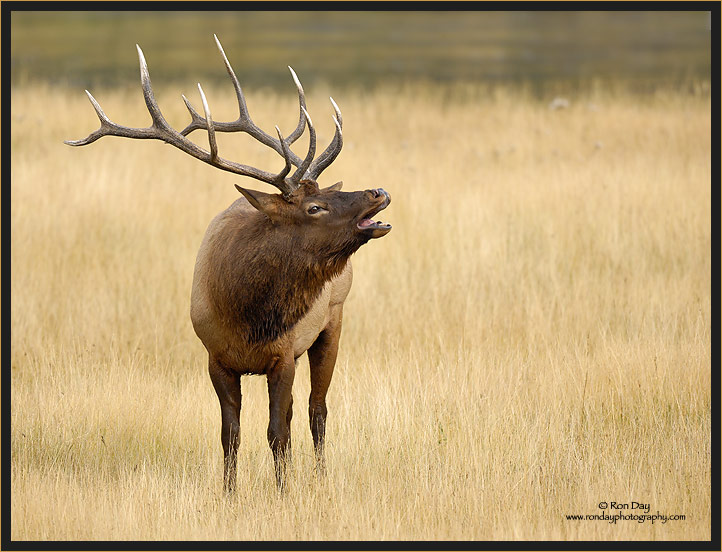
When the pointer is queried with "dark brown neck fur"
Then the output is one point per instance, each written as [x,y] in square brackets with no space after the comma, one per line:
[268,278]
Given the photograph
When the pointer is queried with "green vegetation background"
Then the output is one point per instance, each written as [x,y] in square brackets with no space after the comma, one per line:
[645,50]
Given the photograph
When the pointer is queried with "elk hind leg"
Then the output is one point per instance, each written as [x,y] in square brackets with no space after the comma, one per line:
[280,400]
[322,359]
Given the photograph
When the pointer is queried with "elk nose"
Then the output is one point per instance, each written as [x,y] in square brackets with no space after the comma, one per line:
[378,192]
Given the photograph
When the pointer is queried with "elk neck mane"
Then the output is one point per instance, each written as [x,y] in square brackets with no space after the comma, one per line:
[267,278]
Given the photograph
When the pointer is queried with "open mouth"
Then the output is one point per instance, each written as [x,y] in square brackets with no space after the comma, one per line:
[368,224]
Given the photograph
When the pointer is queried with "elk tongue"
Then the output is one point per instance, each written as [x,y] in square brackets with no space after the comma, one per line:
[365,222]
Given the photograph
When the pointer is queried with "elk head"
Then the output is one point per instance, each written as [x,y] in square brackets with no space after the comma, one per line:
[319,214]
[301,203]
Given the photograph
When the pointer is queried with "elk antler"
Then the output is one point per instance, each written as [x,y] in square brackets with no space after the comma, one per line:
[161,130]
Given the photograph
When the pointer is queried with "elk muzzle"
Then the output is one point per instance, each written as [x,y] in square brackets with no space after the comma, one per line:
[380,199]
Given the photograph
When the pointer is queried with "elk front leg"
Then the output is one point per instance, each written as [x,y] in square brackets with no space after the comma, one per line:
[322,359]
[280,400]
[228,388]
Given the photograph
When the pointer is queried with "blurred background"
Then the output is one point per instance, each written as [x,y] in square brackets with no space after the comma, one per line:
[542,51]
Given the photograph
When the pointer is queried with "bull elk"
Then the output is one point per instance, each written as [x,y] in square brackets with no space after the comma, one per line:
[273,270]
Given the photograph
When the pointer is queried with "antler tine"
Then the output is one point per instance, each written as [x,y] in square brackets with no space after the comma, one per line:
[197,120]
[339,118]
[333,149]
[301,171]
[209,121]
[296,134]
[282,175]
[106,125]
[155,114]
[242,108]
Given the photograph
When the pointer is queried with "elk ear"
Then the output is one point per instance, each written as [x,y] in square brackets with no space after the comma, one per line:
[336,187]
[262,201]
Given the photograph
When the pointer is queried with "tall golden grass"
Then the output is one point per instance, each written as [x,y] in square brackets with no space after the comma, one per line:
[532,338]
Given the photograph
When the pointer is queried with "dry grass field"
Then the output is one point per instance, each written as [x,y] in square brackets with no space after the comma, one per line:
[532,338]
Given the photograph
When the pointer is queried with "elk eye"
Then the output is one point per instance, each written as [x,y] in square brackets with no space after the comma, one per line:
[313,209]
